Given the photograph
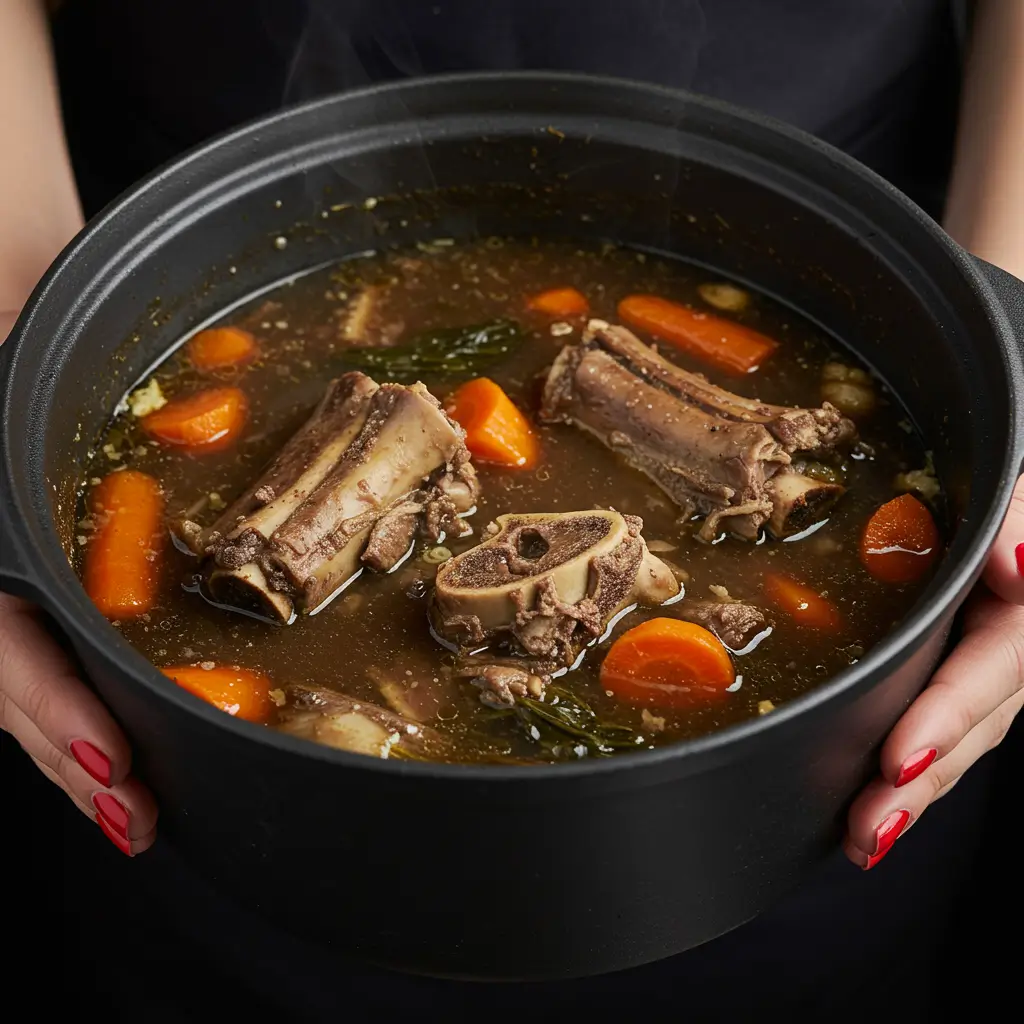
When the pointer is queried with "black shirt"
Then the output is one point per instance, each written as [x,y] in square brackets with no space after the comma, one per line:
[143,81]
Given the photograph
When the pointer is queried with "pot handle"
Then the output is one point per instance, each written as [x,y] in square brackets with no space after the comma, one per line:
[15,575]
[1010,292]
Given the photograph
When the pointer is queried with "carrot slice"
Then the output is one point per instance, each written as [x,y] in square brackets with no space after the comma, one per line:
[722,343]
[207,421]
[122,559]
[559,302]
[238,691]
[222,347]
[668,662]
[900,541]
[496,431]
[804,604]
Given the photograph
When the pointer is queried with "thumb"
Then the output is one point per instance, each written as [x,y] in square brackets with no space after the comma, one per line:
[1004,573]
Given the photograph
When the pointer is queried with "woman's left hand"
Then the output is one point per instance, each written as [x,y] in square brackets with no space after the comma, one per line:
[966,710]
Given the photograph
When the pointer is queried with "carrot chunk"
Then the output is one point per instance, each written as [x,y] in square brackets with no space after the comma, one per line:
[900,541]
[496,431]
[238,691]
[221,347]
[564,302]
[722,343]
[122,559]
[207,421]
[668,662]
[802,603]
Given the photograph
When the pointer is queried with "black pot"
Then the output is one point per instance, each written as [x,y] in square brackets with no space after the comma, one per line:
[497,872]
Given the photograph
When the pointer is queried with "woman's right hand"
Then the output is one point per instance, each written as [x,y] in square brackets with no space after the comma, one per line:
[67,731]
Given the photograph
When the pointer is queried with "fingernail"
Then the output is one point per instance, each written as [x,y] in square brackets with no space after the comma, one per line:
[94,761]
[1019,552]
[113,812]
[886,834]
[108,830]
[914,765]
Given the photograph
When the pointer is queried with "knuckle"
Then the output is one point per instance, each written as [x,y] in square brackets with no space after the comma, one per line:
[36,701]
[1003,719]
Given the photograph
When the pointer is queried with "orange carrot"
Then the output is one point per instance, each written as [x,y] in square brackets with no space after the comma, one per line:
[122,559]
[805,605]
[238,691]
[496,431]
[723,343]
[563,302]
[900,541]
[207,421]
[667,662]
[222,347]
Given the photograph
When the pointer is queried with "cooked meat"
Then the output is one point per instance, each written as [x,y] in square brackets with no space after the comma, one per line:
[549,582]
[354,725]
[374,467]
[733,622]
[392,536]
[711,451]
[501,680]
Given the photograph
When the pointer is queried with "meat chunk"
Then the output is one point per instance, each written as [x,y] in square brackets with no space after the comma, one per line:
[502,679]
[548,582]
[345,723]
[733,622]
[711,451]
[375,466]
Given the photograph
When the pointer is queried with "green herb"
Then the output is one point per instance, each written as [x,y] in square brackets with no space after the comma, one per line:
[571,715]
[444,350]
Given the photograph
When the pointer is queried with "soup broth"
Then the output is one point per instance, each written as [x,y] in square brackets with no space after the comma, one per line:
[373,643]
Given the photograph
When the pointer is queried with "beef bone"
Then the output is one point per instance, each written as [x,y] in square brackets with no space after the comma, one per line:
[546,584]
[374,466]
[345,723]
[713,452]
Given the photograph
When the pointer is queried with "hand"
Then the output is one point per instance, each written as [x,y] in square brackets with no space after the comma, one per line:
[966,710]
[65,729]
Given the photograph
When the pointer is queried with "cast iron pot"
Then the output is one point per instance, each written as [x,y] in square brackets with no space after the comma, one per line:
[497,872]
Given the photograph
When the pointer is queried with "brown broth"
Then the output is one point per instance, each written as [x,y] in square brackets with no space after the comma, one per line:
[378,625]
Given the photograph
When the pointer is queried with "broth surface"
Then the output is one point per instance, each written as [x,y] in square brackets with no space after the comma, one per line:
[377,628]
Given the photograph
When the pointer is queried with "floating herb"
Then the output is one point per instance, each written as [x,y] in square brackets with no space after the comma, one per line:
[571,715]
[444,350]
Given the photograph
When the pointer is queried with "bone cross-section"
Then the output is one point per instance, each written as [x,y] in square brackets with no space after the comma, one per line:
[548,583]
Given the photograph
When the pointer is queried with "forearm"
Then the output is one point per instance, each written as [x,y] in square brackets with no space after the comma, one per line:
[985,209]
[39,208]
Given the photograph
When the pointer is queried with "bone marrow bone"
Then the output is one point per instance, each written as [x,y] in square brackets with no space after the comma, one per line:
[711,451]
[547,583]
[375,466]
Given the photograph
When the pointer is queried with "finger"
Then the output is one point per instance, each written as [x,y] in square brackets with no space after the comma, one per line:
[128,809]
[985,669]
[1004,571]
[37,677]
[882,813]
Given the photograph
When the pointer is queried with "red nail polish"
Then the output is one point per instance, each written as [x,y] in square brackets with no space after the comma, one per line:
[94,761]
[1019,552]
[119,841]
[886,834]
[915,765]
[113,812]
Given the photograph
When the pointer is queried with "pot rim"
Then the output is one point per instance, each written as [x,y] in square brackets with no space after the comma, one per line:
[65,598]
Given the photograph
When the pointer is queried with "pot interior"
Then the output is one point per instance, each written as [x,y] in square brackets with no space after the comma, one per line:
[590,161]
